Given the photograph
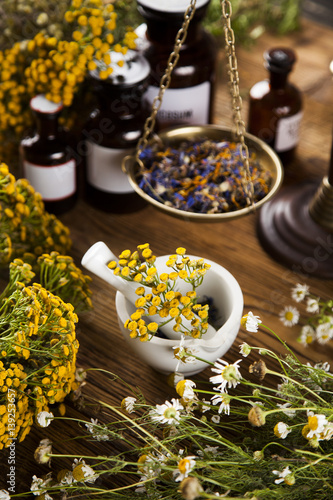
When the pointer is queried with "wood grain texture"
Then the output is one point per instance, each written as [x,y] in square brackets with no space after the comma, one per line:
[266,284]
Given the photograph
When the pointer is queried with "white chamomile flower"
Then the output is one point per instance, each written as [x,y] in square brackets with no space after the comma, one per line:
[289,316]
[98,431]
[251,322]
[205,406]
[284,476]
[224,401]
[312,305]
[128,404]
[185,466]
[245,349]
[307,335]
[216,419]
[286,410]
[281,430]
[44,418]
[327,432]
[299,292]
[4,495]
[324,333]
[168,413]
[39,485]
[317,424]
[228,375]
[83,472]
[185,390]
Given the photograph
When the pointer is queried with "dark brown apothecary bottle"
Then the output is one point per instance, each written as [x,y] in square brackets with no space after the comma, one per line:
[112,132]
[45,160]
[189,99]
[275,105]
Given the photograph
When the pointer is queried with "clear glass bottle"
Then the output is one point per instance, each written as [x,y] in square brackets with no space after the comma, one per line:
[45,158]
[275,105]
[189,99]
[112,132]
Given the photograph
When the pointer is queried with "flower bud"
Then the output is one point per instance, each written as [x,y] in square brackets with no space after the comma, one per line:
[256,416]
[190,488]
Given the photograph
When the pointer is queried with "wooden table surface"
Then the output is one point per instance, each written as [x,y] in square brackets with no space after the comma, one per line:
[265,284]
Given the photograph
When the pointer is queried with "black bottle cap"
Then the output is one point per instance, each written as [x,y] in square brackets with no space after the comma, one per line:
[279,60]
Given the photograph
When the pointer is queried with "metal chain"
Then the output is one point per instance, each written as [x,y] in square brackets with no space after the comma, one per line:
[236,99]
[165,80]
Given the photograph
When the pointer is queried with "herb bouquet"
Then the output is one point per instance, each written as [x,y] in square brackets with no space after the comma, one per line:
[264,435]
[38,344]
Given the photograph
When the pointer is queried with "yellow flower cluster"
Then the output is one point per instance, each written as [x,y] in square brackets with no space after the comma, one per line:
[162,300]
[26,229]
[38,350]
[60,275]
[57,68]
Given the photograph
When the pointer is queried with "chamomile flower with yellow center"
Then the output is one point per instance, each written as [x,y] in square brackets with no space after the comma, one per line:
[299,292]
[289,316]
[228,375]
[324,332]
[185,466]
[245,349]
[250,322]
[168,413]
[312,305]
[83,472]
[307,335]
[185,390]
[317,424]
[224,401]
[281,430]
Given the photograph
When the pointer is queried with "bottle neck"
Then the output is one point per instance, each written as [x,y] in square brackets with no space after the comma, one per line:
[120,101]
[164,31]
[278,80]
[47,126]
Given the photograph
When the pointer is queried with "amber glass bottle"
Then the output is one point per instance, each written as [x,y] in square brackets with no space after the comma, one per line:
[112,132]
[45,158]
[275,105]
[189,99]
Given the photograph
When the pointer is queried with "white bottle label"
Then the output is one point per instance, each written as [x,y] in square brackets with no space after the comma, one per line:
[287,132]
[55,182]
[104,169]
[183,106]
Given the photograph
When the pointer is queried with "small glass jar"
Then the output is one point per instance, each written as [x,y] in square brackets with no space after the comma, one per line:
[112,132]
[275,105]
[46,159]
[189,98]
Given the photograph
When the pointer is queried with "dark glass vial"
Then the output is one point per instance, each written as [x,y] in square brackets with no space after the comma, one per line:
[112,132]
[275,105]
[45,160]
[189,99]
